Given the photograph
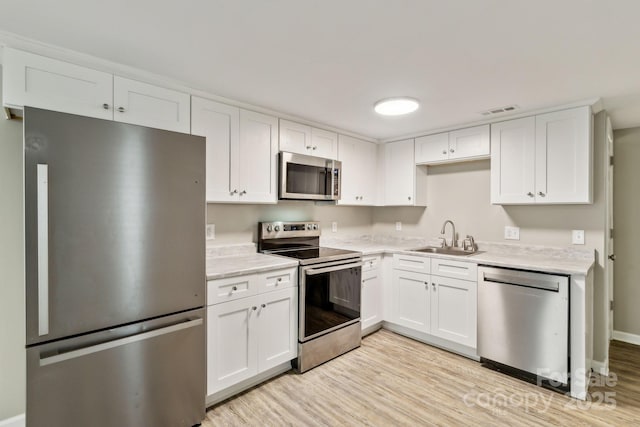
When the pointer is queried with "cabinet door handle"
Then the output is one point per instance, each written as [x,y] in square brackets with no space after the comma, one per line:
[541,194]
[530,194]
[233,192]
[444,151]
[121,109]
[254,308]
[105,106]
[308,147]
[409,198]
[452,150]
[314,147]
[235,288]
[243,192]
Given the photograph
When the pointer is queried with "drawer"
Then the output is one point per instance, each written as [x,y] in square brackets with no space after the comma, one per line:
[456,269]
[277,279]
[231,288]
[415,263]
[370,263]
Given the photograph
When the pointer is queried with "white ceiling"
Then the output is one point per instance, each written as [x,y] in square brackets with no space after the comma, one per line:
[330,60]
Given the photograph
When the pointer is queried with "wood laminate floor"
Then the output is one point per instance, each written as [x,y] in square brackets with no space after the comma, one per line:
[395,381]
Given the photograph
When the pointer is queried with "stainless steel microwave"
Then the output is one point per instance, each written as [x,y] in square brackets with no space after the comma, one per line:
[308,178]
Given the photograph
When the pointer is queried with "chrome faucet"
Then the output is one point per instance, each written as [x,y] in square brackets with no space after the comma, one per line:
[453,233]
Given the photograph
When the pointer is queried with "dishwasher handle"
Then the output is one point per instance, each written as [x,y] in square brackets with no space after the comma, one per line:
[536,281]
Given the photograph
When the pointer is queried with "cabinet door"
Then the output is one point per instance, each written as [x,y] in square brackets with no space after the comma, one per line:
[359,160]
[219,124]
[453,310]
[324,143]
[411,300]
[41,82]
[232,343]
[295,138]
[432,148]
[371,308]
[470,142]
[144,104]
[564,156]
[257,162]
[400,170]
[277,328]
[512,161]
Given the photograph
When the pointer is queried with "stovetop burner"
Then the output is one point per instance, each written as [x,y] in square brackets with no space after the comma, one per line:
[300,240]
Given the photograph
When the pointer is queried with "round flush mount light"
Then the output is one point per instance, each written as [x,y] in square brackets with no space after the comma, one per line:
[396,106]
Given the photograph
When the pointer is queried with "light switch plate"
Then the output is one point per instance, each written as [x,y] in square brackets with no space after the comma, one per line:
[334,227]
[577,237]
[211,231]
[511,233]
[398,226]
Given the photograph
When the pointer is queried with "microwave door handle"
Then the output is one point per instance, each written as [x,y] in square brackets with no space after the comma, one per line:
[314,271]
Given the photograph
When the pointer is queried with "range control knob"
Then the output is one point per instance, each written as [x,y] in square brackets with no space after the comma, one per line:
[315,226]
[309,226]
[269,228]
[276,228]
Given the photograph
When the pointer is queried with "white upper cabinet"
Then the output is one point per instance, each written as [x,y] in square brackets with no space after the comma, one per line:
[359,171]
[257,159]
[303,139]
[37,81]
[543,159]
[564,156]
[144,104]
[324,143]
[404,183]
[464,144]
[241,152]
[220,124]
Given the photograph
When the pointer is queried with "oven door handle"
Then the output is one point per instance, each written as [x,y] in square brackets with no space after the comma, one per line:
[314,271]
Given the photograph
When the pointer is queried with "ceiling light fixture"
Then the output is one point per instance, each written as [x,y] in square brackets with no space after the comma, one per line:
[396,106]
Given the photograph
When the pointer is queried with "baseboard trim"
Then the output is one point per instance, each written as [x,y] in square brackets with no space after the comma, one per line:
[17,421]
[626,337]
[601,368]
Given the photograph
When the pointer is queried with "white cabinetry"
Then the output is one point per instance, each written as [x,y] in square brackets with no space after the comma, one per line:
[439,300]
[371,298]
[543,159]
[144,104]
[459,145]
[250,334]
[359,171]
[404,182]
[303,139]
[37,81]
[241,152]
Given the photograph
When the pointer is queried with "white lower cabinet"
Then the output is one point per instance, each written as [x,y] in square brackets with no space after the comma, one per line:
[371,297]
[250,335]
[442,305]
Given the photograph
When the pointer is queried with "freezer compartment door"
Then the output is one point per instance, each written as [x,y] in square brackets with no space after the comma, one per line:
[114,216]
[146,374]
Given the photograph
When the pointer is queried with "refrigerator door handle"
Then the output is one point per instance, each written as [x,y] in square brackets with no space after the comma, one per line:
[119,342]
[43,249]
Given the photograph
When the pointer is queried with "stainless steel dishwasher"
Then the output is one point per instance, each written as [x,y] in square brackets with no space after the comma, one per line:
[523,323]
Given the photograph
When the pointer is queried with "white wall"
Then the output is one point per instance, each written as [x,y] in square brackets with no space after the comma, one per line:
[239,223]
[12,316]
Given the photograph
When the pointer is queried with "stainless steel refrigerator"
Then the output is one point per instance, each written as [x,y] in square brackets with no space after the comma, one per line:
[115,273]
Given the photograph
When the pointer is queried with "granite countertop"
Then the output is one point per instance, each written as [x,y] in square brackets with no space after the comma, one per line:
[537,258]
[238,260]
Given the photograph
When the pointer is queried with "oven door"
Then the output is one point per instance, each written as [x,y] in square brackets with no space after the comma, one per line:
[309,178]
[329,297]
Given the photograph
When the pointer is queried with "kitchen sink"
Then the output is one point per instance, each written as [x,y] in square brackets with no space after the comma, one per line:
[444,251]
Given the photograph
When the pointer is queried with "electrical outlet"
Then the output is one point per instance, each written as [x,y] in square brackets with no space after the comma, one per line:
[398,226]
[334,227]
[211,231]
[577,237]
[512,233]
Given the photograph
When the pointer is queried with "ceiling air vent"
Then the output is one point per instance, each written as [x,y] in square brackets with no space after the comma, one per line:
[499,110]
